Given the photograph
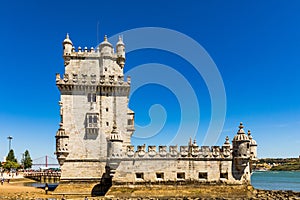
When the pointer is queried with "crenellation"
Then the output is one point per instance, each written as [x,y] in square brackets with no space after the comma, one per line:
[91,79]
[216,151]
[162,149]
[195,151]
[184,151]
[206,152]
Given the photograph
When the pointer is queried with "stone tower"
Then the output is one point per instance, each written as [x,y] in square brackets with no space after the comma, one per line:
[93,108]
[93,142]
[241,155]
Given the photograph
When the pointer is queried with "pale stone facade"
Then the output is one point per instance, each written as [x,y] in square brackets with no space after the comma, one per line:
[94,138]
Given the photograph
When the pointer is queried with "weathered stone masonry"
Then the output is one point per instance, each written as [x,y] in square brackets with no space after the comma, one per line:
[94,138]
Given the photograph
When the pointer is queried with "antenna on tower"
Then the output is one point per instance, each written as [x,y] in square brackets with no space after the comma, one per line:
[98,32]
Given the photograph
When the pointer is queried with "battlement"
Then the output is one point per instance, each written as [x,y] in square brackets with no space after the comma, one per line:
[193,151]
[85,52]
[92,79]
[104,50]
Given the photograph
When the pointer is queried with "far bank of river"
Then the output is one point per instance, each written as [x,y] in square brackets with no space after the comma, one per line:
[276,180]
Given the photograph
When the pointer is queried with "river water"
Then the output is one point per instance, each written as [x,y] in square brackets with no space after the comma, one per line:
[276,180]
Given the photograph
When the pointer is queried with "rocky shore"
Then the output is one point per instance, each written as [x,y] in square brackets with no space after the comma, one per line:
[17,191]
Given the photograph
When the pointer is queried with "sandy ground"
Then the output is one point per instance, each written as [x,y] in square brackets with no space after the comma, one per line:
[18,191]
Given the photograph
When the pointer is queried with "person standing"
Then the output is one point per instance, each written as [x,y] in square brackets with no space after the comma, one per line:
[46,188]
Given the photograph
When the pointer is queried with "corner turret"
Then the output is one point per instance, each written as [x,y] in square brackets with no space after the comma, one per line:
[253,147]
[115,143]
[120,52]
[67,47]
[241,149]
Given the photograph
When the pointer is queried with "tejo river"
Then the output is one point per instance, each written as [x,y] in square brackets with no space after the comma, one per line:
[276,180]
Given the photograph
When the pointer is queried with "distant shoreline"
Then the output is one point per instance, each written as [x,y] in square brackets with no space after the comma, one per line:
[278,164]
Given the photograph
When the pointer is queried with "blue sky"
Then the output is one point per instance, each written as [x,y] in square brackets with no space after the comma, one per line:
[254,44]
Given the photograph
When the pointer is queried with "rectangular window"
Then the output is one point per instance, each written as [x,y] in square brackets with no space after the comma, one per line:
[180,175]
[139,175]
[160,175]
[129,122]
[91,120]
[224,175]
[202,175]
[92,97]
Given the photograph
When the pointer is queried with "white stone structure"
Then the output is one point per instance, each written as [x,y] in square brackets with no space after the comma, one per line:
[94,138]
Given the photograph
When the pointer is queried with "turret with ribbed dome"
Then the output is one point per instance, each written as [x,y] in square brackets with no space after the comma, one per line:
[121,52]
[105,47]
[67,47]
[241,136]
[241,143]
[241,153]
[253,147]
[115,143]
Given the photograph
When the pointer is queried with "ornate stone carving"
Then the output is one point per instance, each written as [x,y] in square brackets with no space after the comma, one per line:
[216,151]
[93,78]
[152,151]
[184,151]
[66,78]
[162,151]
[173,151]
[141,150]
[130,150]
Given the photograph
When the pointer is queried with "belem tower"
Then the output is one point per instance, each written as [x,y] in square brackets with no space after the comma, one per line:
[93,142]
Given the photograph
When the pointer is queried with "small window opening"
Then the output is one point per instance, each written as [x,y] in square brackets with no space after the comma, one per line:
[91,97]
[160,175]
[139,175]
[129,122]
[224,175]
[180,175]
[202,175]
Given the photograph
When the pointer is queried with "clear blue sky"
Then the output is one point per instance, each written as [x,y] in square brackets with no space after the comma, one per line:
[254,44]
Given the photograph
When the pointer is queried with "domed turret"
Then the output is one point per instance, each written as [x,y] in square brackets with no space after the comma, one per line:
[105,47]
[241,149]
[121,52]
[115,143]
[253,147]
[241,136]
[67,45]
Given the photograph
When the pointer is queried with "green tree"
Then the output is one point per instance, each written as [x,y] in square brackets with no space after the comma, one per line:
[11,161]
[11,156]
[11,165]
[26,161]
